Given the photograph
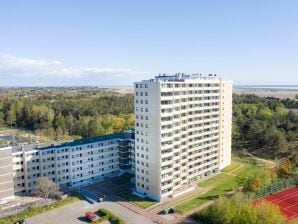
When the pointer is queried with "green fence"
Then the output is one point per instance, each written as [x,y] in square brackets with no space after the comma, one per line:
[276,186]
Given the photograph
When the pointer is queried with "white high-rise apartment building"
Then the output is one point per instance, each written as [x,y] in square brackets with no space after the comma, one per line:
[182,132]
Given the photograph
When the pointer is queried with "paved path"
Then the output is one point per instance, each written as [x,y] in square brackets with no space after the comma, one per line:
[74,213]
[115,199]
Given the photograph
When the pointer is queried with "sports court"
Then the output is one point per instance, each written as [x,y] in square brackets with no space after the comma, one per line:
[287,200]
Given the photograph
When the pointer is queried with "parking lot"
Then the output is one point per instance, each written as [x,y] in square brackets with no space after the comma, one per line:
[74,213]
[108,190]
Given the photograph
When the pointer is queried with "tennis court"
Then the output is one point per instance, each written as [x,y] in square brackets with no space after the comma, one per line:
[287,200]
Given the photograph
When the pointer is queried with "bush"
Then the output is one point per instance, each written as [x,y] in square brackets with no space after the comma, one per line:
[105,214]
[237,210]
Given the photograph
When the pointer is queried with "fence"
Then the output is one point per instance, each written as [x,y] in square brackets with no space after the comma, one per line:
[276,186]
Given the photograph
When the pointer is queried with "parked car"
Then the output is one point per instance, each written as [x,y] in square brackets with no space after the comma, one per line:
[20,222]
[172,210]
[168,210]
[165,211]
[91,216]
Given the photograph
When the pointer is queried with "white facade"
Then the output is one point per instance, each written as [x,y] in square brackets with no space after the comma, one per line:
[69,164]
[182,132]
[6,174]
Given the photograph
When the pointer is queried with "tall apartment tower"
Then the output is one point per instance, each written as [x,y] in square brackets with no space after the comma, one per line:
[182,132]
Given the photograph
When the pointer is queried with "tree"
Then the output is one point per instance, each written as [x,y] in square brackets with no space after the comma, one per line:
[118,123]
[236,210]
[92,127]
[70,124]
[11,116]
[47,188]
[284,169]
[59,122]
[1,118]
[252,184]
[43,117]
[269,213]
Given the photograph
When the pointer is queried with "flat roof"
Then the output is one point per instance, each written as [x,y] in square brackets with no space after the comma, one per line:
[182,77]
[76,142]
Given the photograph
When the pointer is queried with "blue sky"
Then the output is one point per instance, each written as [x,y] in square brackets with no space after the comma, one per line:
[117,42]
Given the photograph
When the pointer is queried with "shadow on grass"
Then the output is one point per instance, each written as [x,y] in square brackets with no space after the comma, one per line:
[209,197]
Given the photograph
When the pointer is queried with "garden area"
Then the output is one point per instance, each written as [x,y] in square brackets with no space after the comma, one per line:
[223,183]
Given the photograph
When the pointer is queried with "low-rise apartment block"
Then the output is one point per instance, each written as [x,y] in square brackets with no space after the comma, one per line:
[69,164]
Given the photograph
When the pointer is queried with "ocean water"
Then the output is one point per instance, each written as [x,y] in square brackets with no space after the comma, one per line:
[281,87]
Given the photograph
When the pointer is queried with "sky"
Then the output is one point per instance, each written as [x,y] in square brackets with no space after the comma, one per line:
[117,42]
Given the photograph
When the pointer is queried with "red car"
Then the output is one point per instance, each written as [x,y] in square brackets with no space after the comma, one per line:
[91,216]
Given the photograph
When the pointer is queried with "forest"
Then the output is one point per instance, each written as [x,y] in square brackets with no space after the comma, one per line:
[65,115]
[266,127]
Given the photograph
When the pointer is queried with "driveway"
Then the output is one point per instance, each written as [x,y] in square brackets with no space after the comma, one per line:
[74,213]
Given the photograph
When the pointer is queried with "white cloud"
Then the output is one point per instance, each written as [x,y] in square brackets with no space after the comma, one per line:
[17,70]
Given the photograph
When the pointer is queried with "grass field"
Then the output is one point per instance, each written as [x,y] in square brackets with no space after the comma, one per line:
[219,185]
[4,127]
[143,202]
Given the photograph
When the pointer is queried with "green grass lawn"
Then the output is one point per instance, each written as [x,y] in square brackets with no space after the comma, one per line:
[219,184]
[143,202]
[234,165]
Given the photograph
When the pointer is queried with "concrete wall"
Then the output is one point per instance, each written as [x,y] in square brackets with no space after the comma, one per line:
[226,123]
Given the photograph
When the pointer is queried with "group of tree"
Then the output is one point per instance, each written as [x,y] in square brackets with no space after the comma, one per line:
[283,169]
[67,116]
[265,126]
[254,182]
[237,210]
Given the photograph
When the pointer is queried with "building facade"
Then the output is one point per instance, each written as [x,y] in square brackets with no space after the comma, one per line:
[69,164]
[182,132]
[6,173]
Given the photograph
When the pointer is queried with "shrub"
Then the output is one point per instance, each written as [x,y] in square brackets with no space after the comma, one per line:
[107,215]
[237,210]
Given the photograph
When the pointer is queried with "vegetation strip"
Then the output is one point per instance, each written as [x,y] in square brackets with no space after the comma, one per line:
[143,202]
